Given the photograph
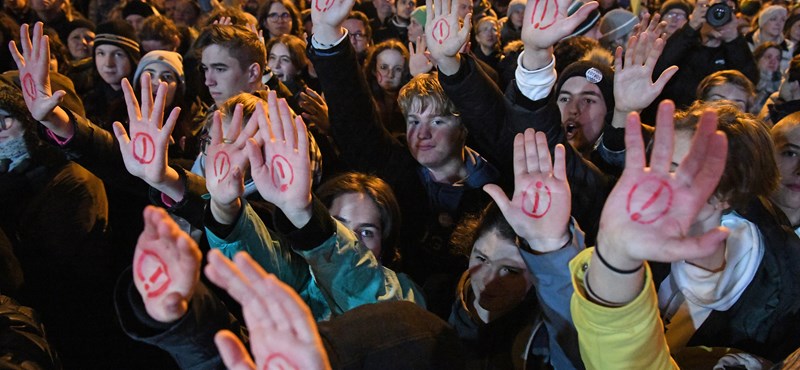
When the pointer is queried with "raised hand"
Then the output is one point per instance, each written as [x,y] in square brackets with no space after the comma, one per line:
[545,22]
[281,167]
[226,161]
[649,212]
[327,16]
[283,334]
[166,266]
[34,74]
[419,62]
[316,110]
[634,88]
[444,35]
[540,209]
[145,150]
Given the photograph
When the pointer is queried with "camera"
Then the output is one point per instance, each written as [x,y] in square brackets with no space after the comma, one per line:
[719,14]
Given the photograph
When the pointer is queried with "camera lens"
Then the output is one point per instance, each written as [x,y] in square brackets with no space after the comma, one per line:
[719,15]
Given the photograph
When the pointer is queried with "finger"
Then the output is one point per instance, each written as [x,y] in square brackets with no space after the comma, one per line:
[698,247]
[654,53]
[463,33]
[411,49]
[274,117]
[641,50]
[38,32]
[134,114]
[222,272]
[157,114]
[664,78]
[258,166]
[270,314]
[618,60]
[314,95]
[634,145]
[12,47]
[531,156]
[431,6]
[249,131]
[25,41]
[560,163]
[296,311]
[629,55]
[543,153]
[286,123]
[235,125]
[232,351]
[146,96]
[579,16]
[421,43]
[707,155]
[520,166]
[661,159]
[260,115]
[216,128]
[499,196]
[172,120]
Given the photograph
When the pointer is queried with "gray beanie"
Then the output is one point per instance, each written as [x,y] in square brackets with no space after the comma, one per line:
[171,59]
[616,23]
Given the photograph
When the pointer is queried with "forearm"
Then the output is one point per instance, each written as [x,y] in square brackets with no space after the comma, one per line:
[58,122]
[449,65]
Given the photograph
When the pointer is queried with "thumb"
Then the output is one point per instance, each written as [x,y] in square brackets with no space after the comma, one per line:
[232,351]
[498,195]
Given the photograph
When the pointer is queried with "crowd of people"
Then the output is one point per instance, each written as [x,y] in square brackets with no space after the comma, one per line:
[386,184]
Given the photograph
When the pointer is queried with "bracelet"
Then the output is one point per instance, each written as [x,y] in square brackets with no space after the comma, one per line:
[612,268]
[596,297]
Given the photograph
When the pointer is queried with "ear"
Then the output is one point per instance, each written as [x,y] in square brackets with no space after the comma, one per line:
[254,73]
[177,42]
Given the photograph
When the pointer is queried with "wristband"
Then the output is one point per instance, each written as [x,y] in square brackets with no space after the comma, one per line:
[612,268]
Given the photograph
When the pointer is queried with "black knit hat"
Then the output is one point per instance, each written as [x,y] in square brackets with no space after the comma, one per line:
[675,4]
[74,24]
[138,8]
[121,34]
[597,73]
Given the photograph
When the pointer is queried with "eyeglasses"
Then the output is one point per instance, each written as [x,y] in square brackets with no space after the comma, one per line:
[282,16]
[674,16]
[358,36]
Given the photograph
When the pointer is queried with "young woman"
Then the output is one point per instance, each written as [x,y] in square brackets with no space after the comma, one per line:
[768,59]
[727,85]
[386,69]
[279,17]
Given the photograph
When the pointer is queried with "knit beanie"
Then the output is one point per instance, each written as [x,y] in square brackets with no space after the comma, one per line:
[138,8]
[516,5]
[170,59]
[120,34]
[76,23]
[675,4]
[587,24]
[616,23]
[420,15]
[769,12]
[597,73]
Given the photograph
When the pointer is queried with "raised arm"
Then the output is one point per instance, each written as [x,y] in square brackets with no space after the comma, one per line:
[646,217]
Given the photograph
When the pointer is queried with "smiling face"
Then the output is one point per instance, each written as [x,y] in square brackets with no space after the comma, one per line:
[583,112]
[80,42]
[434,141]
[113,64]
[359,213]
[280,61]
[499,278]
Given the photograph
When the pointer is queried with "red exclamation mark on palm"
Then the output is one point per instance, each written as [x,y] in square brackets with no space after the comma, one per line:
[657,204]
[441,30]
[544,14]
[282,172]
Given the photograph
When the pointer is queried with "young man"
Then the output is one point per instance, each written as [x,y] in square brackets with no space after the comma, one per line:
[437,179]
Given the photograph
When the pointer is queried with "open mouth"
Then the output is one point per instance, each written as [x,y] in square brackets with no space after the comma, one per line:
[571,129]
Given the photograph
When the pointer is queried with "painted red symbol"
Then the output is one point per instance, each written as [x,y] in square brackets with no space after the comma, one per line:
[540,204]
[540,9]
[144,149]
[441,30]
[323,7]
[277,361]
[29,86]
[222,165]
[152,270]
[649,200]
[282,172]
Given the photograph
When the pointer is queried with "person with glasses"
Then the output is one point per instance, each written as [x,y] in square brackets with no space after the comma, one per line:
[279,17]
[487,37]
[360,33]
[676,14]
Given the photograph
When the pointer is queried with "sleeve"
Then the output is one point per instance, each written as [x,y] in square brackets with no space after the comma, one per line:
[356,127]
[627,337]
[554,289]
[676,48]
[192,205]
[347,273]
[739,57]
[250,235]
[190,340]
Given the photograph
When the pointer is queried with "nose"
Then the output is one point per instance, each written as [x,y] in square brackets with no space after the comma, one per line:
[210,81]
[574,107]
[423,131]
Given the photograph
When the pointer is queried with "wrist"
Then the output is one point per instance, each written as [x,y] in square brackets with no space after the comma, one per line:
[327,35]
[547,245]
[449,65]
[225,213]
[298,215]
[616,259]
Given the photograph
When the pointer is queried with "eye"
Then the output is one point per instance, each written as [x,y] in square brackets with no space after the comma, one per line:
[203,69]
[510,271]
[220,69]
[589,101]
[563,99]
[789,154]
[480,258]
[439,121]
[366,233]
[413,122]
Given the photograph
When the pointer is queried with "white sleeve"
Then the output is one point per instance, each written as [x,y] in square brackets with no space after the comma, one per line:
[536,84]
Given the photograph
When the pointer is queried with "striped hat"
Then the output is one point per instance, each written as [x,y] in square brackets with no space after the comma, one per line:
[121,34]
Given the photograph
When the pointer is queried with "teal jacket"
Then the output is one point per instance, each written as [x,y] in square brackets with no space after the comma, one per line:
[332,277]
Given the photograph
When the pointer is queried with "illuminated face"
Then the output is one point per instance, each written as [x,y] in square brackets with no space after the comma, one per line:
[405,7]
[499,278]
[161,73]
[185,14]
[358,212]
[774,25]
[730,92]
[770,61]
[135,21]
[516,18]
[280,61]
[675,19]
[434,141]
[416,30]
[223,74]
[113,64]
[583,112]
[787,155]
[278,21]
[389,71]
[358,34]
[488,34]
[80,42]
[794,32]
[464,8]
